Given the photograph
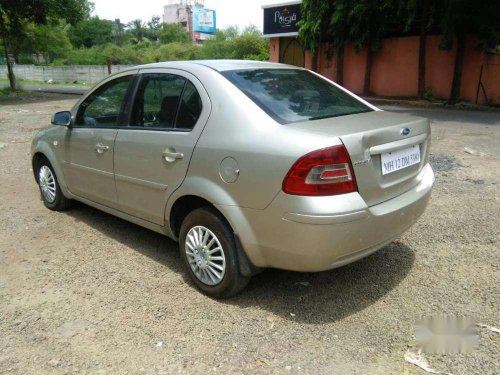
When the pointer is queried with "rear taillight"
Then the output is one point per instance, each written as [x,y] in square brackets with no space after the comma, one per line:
[322,172]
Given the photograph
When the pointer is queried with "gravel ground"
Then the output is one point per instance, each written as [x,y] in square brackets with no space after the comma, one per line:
[83,292]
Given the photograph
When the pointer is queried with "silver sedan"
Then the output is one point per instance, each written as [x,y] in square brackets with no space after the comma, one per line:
[247,165]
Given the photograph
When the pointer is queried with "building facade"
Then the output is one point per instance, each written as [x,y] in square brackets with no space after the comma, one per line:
[192,16]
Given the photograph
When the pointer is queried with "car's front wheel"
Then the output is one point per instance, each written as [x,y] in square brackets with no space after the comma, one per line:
[50,190]
[208,249]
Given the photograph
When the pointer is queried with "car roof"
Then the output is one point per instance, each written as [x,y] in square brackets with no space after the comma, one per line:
[219,65]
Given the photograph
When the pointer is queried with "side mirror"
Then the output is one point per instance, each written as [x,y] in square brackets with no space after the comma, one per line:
[62,118]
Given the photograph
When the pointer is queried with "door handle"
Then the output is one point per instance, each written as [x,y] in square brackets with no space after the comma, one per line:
[171,156]
[100,148]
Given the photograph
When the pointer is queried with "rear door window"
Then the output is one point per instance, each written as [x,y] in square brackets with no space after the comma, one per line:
[157,100]
[166,101]
[189,108]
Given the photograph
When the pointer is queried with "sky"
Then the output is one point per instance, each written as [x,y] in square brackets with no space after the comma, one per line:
[228,12]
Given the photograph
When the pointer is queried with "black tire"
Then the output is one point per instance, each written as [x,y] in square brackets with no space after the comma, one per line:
[60,203]
[232,281]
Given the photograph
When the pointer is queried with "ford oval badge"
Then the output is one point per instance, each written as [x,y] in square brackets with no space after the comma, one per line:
[405,131]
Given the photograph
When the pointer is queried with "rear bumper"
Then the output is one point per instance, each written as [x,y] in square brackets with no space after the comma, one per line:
[320,233]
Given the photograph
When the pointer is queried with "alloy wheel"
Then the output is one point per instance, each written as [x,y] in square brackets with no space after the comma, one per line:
[47,184]
[205,255]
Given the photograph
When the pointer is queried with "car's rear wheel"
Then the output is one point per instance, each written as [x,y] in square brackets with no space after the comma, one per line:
[50,190]
[208,250]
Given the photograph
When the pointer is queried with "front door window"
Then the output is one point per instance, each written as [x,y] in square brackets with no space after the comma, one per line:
[102,108]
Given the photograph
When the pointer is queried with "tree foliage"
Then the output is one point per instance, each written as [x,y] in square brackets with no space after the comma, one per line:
[118,32]
[231,44]
[155,23]
[16,15]
[42,11]
[47,39]
[480,19]
[138,30]
[365,22]
[91,32]
[172,33]
[90,40]
[312,26]
[461,18]
[228,43]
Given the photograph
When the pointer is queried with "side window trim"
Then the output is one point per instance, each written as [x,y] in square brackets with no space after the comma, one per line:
[179,103]
[126,110]
[133,95]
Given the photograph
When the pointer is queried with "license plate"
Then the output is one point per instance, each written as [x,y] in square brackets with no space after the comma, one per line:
[400,159]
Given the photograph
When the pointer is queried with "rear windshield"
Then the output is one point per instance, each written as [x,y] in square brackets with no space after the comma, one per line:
[292,95]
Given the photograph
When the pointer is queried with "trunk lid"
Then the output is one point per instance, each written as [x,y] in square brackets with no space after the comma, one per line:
[370,135]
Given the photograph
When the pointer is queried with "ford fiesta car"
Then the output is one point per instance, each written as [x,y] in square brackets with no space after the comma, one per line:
[247,165]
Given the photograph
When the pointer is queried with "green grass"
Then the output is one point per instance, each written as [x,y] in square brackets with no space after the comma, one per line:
[41,83]
[7,91]
[7,95]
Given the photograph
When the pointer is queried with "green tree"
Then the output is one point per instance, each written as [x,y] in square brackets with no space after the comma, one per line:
[229,43]
[154,27]
[216,48]
[137,29]
[369,21]
[249,45]
[462,18]
[362,22]
[231,31]
[16,14]
[118,32]
[419,16]
[313,25]
[338,33]
[251,29]
[172,51]
[171,33]
[91,32]
[47,39]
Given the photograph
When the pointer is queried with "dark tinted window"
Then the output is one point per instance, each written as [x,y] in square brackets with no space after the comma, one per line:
[189,109]
[157,100]
[103,106]
[291,95]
